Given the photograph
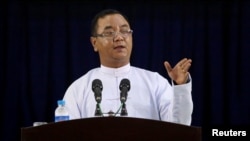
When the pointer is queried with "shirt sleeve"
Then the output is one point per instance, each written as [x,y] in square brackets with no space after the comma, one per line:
[182,107]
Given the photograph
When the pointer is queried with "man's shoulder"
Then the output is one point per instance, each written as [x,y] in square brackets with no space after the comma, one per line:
[144,71]
[147,74]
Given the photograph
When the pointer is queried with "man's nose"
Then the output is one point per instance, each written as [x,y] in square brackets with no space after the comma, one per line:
[118,36]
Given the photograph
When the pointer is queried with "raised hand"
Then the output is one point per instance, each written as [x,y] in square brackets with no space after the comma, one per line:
[179,74]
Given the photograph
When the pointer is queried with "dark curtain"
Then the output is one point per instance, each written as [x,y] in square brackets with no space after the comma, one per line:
[45,46]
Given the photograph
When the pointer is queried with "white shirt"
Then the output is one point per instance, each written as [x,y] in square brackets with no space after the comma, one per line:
[150,95]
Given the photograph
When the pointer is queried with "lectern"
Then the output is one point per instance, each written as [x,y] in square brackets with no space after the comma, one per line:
[111,129]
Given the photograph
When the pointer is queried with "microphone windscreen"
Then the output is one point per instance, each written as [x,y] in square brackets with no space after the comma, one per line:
[125,83]
[97,83]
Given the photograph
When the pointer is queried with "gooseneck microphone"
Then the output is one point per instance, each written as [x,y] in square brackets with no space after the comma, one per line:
[97,89]
[124,88]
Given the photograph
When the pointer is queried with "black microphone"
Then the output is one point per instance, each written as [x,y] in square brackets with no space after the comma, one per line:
[124,88]
[97,89]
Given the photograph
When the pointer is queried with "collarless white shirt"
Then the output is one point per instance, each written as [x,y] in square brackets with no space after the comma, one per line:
[150,95]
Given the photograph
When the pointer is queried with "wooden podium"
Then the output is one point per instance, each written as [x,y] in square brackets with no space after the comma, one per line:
[111,129]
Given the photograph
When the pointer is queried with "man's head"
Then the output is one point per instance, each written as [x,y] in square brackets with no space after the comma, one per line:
[111,38]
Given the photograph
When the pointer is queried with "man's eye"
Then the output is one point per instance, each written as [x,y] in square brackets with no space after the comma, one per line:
[109,33]
[124,31]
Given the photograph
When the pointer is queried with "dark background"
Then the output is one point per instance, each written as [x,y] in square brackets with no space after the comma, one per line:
[45,46]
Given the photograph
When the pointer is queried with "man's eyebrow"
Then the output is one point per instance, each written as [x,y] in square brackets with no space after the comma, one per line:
[110,27]
[107,27]
[125,25]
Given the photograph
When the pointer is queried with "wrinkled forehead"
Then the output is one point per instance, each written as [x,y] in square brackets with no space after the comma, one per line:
[114,21]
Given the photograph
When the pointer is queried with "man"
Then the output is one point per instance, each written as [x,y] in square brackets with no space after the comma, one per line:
[150,95]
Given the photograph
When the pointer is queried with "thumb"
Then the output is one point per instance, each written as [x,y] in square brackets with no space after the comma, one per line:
[167,66]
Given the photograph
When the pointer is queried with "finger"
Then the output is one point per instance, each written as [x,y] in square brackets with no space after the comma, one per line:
[186,65]
[167,66]
[180,63]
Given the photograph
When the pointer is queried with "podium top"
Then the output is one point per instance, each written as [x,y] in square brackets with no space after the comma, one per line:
[111,128]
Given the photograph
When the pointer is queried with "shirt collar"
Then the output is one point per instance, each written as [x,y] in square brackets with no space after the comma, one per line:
[116,71]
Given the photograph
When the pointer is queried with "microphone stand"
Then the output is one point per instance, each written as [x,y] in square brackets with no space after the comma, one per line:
[124,110]
[98,111]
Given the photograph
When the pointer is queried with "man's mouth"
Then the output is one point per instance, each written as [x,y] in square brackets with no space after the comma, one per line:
[119,47]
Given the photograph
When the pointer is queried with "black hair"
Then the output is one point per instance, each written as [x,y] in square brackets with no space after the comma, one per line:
[102,14]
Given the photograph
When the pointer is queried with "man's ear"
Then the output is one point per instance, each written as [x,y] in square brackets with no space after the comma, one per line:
[93,42]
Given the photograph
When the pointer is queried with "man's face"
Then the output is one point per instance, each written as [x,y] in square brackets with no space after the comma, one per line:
[114,50]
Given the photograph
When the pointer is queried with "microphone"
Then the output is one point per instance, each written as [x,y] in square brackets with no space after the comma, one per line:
[124,88]
[97,89]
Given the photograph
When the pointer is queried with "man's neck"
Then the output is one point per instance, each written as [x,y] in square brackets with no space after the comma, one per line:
[115,65]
